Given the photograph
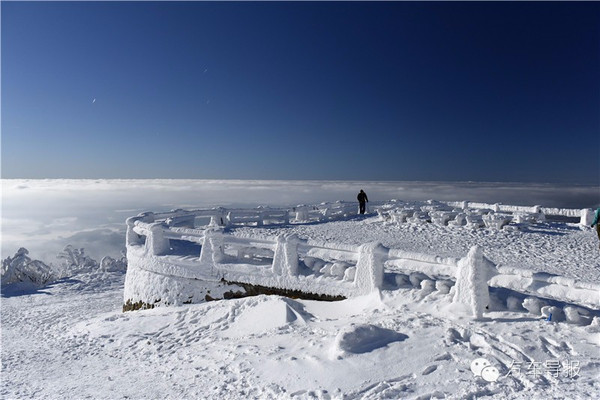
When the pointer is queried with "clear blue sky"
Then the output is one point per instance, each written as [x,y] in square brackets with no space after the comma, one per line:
[385,91]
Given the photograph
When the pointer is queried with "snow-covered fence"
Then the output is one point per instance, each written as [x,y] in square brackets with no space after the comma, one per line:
[258,216]
[290,263]
[549,286]
[475,215]
[430,265]
[286,263]
[527,282]
[526,210]
[327,211]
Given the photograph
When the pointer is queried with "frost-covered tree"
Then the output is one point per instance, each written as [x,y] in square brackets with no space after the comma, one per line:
[74,261]
[22,268]
[109,264]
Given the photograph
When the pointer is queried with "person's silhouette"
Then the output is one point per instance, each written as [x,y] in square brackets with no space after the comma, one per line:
[362,200]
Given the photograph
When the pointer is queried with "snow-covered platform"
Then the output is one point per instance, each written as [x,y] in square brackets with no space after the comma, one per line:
[186,257]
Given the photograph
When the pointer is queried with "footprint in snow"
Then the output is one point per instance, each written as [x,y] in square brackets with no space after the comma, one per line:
[429,369]
[444,357]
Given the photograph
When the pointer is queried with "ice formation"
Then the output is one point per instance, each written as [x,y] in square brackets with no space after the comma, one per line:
[471,287]
[21,268]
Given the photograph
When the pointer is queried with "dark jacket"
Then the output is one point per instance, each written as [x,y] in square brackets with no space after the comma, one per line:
[362,197]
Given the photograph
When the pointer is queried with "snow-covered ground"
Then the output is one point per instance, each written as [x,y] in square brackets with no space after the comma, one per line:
[71,340]
[71,343]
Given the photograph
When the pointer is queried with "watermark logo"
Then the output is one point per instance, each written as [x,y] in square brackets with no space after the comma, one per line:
[554,368]
[483,368]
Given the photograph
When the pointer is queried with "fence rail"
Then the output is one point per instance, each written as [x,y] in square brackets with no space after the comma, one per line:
[259,216]
[476,215]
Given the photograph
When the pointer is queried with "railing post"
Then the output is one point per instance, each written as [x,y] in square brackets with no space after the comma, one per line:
[369,268]
[587,217]
[230,218]
[156,243]
[261,216]
[326,214]
[471,288]
[212,247]
[132,238]
[301,213]
[285,259]
[219,217]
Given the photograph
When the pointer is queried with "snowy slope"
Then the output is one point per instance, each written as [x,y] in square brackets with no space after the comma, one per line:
[81,346]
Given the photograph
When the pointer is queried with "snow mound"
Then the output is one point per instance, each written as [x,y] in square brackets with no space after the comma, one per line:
[255,316]
[353,306]
[364,339]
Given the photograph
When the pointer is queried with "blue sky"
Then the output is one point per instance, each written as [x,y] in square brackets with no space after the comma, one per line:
[386,91]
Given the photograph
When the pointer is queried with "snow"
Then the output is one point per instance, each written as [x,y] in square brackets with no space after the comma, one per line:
[263,314]
[471,287]
[369,269]
[21,268]
[70,339]
[363,339]
[285,259]
[587,217]
[273,347]
[170,289]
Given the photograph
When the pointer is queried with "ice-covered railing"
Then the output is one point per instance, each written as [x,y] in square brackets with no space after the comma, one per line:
[291,263]
[258,216]
[258,261]
[418,267]
[476,215]
[497,207]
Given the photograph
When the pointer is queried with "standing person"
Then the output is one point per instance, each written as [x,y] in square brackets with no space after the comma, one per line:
[596,222]
[362,200]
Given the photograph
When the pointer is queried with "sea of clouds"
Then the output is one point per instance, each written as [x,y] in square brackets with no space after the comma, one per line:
[46,215]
